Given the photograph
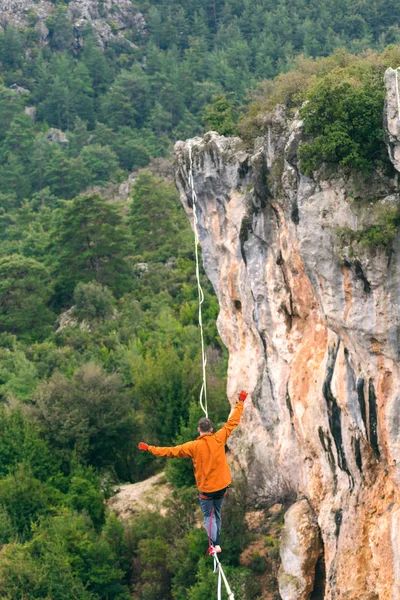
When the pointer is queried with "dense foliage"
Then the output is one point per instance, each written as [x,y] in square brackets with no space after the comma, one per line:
[343,116]
[123,365]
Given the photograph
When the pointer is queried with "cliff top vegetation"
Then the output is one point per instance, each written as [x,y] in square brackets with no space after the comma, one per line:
[340,99]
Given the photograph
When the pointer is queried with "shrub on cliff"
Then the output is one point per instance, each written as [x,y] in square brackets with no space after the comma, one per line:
[221,116]
[342,104]
[343,118]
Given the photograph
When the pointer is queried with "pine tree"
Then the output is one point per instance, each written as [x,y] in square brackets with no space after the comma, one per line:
[90,245]
[22,280]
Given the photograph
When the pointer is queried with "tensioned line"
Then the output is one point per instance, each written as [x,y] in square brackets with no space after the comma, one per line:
[203,391]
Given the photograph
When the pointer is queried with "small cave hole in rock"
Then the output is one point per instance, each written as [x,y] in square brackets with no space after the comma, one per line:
[318,592]
[237,304]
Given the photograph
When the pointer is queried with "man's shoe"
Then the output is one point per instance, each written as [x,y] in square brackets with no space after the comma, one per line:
[217,549]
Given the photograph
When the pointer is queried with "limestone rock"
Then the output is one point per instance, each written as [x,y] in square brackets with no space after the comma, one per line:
[299,550]
[109,17]
[313,332]
[69,319]
[20,90]
[56,136]
[392,116]
[125,188]
[31,112]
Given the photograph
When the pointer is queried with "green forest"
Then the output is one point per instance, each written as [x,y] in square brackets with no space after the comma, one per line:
[99,338]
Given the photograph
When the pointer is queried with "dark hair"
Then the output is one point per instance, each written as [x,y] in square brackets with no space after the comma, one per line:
[205,425]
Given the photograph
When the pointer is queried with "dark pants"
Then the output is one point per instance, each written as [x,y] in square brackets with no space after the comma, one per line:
[212,518]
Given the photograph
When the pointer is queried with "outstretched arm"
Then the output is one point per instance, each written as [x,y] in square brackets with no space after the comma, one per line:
[233,421]
[181,451]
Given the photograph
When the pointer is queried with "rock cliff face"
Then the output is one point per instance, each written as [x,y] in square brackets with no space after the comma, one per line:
[312,329]
[108,17]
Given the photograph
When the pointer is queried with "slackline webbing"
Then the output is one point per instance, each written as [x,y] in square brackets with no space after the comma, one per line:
[203,391]
[217,565]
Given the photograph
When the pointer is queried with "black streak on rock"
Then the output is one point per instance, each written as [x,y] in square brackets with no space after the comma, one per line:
[295,216]
[264,343]
[360,275]
[262,338]
[334,415]
[373,419]
[361,400]
[289,404]
[327,446]
[357,452]
[245,230]
[338,521]
[261,189]
[288,313]
[243,168]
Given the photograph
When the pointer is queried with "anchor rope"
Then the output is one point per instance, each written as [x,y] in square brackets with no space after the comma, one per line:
[203,391]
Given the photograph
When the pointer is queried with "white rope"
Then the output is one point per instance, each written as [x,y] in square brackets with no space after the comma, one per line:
[222,577]
[397,93]
[203,391]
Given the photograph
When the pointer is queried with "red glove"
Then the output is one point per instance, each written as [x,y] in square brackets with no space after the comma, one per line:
[143,446]
[242,396]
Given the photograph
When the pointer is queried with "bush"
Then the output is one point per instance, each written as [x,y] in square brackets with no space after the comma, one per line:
[221,116]
[93,301]
[84,494]
[20,443]
[258,563]
[153,556]
[65,560]
[89,415]
[25,499]
[184,560]
[343,116]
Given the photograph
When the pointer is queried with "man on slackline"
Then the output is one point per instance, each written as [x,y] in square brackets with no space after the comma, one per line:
[211,469]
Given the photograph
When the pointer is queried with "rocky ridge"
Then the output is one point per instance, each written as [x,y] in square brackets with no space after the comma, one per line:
[109,17]
[311,323]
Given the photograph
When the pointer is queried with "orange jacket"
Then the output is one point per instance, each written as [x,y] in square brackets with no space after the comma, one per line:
[211,468]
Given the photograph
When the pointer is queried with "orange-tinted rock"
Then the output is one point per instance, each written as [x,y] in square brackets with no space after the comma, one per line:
[313,332]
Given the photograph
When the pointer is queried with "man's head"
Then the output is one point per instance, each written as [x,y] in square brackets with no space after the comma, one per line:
[205,426]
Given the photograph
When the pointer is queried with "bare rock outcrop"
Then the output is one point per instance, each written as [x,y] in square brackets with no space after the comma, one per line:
[312,325]
[300,550]
[392,115]
[133,498]
[108,17]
